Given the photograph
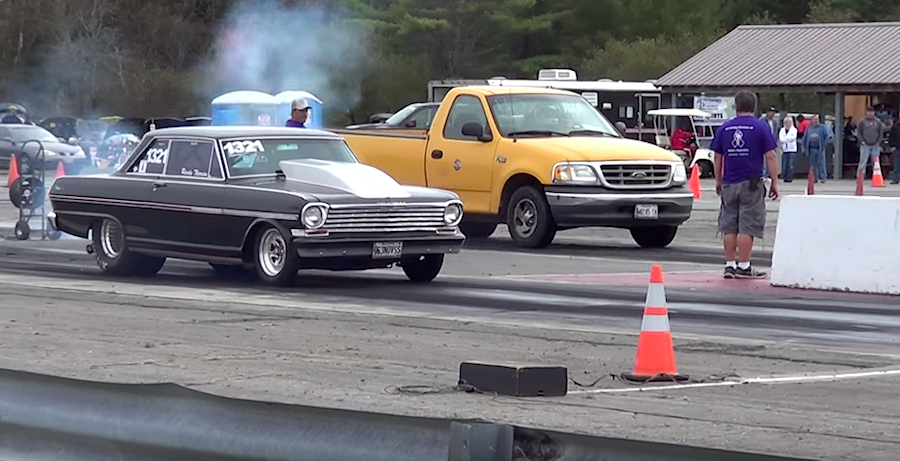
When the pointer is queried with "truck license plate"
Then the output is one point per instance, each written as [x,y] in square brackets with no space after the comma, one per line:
[387,250]
[646,211]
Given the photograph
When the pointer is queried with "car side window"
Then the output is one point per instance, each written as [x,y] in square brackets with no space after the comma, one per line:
[422,118]
[466,108]
[195,159]
[5,135]
[154,159]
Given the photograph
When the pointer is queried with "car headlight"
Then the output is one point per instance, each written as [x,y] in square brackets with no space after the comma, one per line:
[453,214]
[574,173]
[313,216]
[680,173]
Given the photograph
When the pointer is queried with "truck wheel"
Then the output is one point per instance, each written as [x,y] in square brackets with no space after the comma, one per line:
[113,256]
[422,268]
[655,236]
[276,262]
[478,230]
[528,217]
[706,169]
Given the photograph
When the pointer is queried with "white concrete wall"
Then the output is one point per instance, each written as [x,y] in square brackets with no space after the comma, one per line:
[845,243]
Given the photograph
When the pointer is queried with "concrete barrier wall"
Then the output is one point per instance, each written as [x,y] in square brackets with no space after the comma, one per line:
[845,243]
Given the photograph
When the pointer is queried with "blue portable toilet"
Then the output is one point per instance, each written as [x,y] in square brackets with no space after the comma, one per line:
[245,108]
[285,98]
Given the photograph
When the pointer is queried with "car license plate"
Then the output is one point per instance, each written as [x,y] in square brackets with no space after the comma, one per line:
[386,250]
[646,211]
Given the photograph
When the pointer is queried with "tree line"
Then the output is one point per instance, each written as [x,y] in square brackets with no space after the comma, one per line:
[90,58]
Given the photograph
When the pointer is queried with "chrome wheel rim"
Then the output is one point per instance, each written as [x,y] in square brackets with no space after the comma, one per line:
[525,217]
[272,252]
[111,238]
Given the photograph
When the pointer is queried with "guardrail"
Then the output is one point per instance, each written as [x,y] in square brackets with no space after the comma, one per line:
[52,418]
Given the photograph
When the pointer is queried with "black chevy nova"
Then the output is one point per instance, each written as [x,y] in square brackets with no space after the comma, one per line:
[273,199]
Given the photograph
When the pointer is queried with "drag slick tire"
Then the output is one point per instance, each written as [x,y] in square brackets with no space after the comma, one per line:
[529,219]
[422,268]
[113,256]
[275,261]
[654,236]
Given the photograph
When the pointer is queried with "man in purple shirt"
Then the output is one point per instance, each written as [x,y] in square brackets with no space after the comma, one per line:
[743,145]
[299,113]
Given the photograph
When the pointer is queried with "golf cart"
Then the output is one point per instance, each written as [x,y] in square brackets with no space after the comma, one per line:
[684,118]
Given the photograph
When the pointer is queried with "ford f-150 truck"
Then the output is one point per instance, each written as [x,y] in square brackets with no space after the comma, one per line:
[539,160]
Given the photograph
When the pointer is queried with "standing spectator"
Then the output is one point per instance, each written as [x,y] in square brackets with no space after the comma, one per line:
[815,144]
[742,145]
[869,130]
[894,146]
[769,119]
[12,117]
[787,137]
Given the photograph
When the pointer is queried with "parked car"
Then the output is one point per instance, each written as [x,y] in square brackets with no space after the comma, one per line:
[416,116]
[272,199]
[17,138]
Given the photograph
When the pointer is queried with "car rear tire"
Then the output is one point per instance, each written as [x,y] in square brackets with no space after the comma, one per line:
[276,262]
[113,256]
[422,268]
[477,230]
[529,219]
[654,236]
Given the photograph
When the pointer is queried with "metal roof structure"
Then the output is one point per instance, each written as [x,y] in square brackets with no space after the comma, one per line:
[825,58]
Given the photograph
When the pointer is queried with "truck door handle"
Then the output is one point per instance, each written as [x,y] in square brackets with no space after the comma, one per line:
[437,154]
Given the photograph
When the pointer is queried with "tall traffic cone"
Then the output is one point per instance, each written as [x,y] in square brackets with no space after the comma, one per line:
[13,170]
[655,360]
[694,182]
[859,182]
[60,170]
[877,178]
[811,183]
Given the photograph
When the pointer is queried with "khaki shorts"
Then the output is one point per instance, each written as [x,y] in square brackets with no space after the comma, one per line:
[743,211]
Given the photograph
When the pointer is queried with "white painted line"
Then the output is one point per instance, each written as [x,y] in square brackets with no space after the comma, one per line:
[585,258]
[760,380]
[612,274]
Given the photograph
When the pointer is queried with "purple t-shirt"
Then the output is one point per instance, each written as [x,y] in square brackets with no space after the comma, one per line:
[743,142]
[293,124]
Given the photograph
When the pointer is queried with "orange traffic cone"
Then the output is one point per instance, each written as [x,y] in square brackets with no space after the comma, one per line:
[859,182]
[13,170]
[694,182]
[811,183]
[60,170]
[877,177]
[655,360]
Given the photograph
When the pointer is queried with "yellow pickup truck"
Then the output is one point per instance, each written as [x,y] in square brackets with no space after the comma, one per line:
[539,160]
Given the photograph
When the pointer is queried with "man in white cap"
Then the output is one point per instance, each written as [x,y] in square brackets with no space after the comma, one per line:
[299,113]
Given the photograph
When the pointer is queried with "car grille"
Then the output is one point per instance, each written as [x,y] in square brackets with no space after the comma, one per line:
[404,218]
[635,175]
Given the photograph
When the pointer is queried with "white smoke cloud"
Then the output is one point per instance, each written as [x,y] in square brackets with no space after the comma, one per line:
[266,46]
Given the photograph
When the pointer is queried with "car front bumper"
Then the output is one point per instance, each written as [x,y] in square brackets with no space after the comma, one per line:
[596,207]
[362,247]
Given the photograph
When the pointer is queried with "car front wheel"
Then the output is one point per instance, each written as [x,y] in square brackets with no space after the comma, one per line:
[654,236]
[113,255]
[276,262]
[422,268]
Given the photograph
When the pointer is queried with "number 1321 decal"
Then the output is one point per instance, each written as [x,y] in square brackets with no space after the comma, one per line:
[243,147]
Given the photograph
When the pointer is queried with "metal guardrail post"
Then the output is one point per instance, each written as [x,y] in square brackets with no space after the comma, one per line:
[480,442]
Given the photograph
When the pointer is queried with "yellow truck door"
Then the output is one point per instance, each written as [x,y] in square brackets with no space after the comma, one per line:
[460,163]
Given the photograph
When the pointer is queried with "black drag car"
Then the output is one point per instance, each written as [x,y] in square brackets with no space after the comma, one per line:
[269,199]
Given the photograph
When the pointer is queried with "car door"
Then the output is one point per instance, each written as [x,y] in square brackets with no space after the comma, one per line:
[460,163]
[188,197]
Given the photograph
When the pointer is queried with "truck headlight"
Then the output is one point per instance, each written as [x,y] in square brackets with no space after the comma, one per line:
[574,173]
[453,214]
[680,173]
[313,215]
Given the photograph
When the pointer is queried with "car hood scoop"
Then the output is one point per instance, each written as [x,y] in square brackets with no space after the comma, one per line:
[358,179]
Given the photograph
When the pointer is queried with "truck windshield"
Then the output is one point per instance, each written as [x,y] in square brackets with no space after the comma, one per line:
[548,115]
[253,156]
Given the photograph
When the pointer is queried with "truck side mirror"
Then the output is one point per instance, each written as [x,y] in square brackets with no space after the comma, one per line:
[475,130]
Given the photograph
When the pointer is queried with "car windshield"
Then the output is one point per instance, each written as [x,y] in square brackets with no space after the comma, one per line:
[548,115]
[32,133]
[399,116]
[261,156]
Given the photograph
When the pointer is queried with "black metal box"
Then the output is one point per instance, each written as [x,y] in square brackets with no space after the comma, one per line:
[515,380]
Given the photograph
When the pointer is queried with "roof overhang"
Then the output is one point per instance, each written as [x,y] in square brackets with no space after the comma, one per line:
[847,89]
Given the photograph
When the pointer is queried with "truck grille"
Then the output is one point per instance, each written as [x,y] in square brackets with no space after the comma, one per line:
[385,218]
[636,176]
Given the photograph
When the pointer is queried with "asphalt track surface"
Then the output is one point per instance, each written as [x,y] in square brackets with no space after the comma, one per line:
[348,339]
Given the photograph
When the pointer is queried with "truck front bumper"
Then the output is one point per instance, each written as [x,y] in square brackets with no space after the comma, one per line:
[596,207]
